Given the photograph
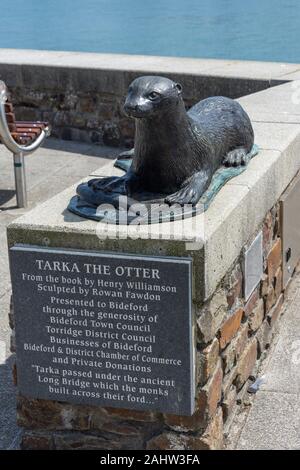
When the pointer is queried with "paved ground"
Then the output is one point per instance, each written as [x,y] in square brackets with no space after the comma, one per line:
[273,421]
[274,418]
[50,170]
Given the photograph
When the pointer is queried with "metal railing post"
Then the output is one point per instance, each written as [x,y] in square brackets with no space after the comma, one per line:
[20,179]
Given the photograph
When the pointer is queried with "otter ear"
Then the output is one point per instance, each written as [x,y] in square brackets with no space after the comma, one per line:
[179,88]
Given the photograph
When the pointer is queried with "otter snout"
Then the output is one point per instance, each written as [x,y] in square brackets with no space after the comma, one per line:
[136,109]
[130,109]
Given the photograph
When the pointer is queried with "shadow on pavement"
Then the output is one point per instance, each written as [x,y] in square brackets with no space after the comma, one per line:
[10,433]
[5,196]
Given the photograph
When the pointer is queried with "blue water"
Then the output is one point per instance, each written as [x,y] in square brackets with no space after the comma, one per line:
[227,29]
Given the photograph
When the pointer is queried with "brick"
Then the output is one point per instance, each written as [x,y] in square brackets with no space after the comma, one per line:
[276,311]
[132,429]
[267,233]
[278,283]
[31,441]
[264,285]
[257,316]
[230,328]
[207,361]
[228,381]
[234,293]
[229,403]
[52,415]
[174,441]
[270,299]
[212,316]
[241,340]
[235,348]
[277,226]
[263,337]
[107,441]
[251,302]
[229,358]
[274,259]
[129,415]
[207,402]
[212,439]
[211,395]
[246,363]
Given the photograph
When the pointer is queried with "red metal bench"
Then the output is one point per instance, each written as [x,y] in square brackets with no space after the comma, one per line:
[20,138]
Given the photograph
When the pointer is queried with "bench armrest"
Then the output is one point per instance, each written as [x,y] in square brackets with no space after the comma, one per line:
[5,134]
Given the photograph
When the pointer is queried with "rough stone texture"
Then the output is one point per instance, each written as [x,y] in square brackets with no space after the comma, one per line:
[270,299]
[263,336]
[32,441]
[229,402]
[251,302]
[212,315]
[235,286]
[267,234]
[230,328]
[278,282]
[246,363]
[257,316]
[228,380]
[212,439]
[207,361]
[233,351]
[274,259]
[174,441]
[206,405]
[274,314]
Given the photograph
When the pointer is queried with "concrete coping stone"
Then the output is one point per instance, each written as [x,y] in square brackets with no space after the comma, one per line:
[151,64]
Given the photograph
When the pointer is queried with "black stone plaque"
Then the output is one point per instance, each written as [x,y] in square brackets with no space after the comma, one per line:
[104,329]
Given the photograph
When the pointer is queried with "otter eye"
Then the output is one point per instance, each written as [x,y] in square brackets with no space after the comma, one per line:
[153,95]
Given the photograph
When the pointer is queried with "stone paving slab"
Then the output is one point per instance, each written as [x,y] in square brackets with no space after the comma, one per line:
[279,104]
[274,419]
[273,424]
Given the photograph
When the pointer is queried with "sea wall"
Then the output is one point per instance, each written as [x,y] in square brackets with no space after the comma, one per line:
[82,94]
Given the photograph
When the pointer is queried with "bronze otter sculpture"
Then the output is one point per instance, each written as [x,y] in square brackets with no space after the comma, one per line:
[175,152]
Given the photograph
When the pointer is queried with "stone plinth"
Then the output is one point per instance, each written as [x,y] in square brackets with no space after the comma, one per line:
[232,334]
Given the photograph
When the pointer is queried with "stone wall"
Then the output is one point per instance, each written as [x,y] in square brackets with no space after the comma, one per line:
[233,336]
[85,103]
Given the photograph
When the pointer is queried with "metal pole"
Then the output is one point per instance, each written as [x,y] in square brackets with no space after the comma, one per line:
[20,179]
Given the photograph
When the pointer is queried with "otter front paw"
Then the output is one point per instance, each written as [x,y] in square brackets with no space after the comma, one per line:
[236,157]
[186,195]
[191,191]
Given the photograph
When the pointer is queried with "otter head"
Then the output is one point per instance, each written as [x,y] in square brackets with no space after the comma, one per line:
[149,96]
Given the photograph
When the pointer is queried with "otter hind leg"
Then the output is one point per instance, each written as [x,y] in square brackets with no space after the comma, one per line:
[236,157]
[191,191]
